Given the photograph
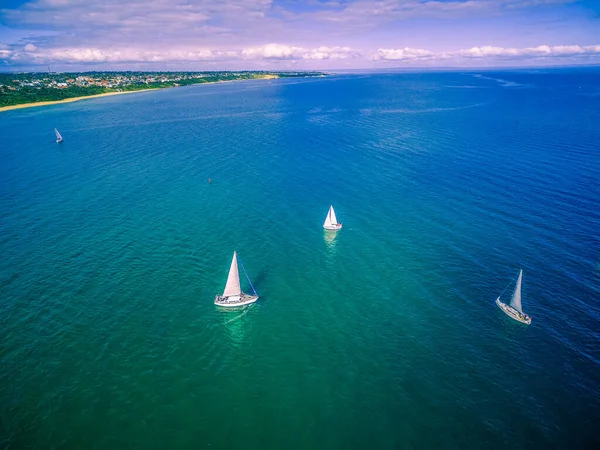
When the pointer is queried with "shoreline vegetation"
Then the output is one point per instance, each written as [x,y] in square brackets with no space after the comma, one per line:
[26,90]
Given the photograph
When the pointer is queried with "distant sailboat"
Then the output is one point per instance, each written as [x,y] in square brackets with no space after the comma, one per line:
[331,222]
[514,309]
[59,138]
[233,295]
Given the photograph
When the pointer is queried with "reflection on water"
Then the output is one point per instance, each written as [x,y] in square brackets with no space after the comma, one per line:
[330,251]
[330,237]
[235,322]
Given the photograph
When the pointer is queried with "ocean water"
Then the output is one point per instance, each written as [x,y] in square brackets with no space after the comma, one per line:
[384,335]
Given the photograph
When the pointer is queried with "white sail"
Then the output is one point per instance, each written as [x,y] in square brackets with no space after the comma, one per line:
[58,136]
[233,280]
[328,222]
[332,215]
[515,302]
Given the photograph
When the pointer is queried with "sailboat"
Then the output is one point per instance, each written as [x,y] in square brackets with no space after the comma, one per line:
[514,309]
[331,222]
[233,295]
[59,138]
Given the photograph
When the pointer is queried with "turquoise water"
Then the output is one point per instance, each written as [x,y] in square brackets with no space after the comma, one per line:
[384,335]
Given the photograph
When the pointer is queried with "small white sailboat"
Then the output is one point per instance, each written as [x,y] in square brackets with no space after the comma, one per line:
[331,222]
[233,295]
[514,309]
[59,138]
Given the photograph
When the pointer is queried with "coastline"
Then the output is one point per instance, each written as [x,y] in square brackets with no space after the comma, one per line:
[106,94]
[69,100]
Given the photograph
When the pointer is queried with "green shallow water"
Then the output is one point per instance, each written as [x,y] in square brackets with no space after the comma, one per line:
[383,335]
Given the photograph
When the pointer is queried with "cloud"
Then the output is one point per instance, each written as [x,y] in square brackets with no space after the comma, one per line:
[535,52]
[106,22]
[332,53]
[272,51]
[379,11]
[93,55]
[83,13]
[281,33]
[276,51]
[86,55]
[401,54]
[491,54]
[166,21]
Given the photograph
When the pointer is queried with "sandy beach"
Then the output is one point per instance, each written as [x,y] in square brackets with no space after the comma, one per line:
[69,100]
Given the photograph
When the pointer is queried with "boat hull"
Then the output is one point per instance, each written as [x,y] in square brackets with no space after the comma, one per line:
[237,300]
[513,313]
[333,227]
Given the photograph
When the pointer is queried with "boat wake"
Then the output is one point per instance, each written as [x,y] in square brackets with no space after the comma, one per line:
[428,110]
[244,312]
[500,81]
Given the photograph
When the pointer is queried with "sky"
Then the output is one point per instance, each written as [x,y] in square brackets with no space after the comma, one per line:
[80,35]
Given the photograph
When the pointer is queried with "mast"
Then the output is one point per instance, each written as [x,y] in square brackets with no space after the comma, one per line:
[233,280]
[515,302]
[58,136]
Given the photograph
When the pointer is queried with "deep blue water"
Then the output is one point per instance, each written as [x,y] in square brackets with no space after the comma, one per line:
[384,335]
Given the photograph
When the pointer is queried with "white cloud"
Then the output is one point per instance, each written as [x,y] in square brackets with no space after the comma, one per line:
[490,54]
[94,55]
[276,51]
[540,51]
[271,51]
[267,52]
[262,56]
[331,53]
[401,54]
